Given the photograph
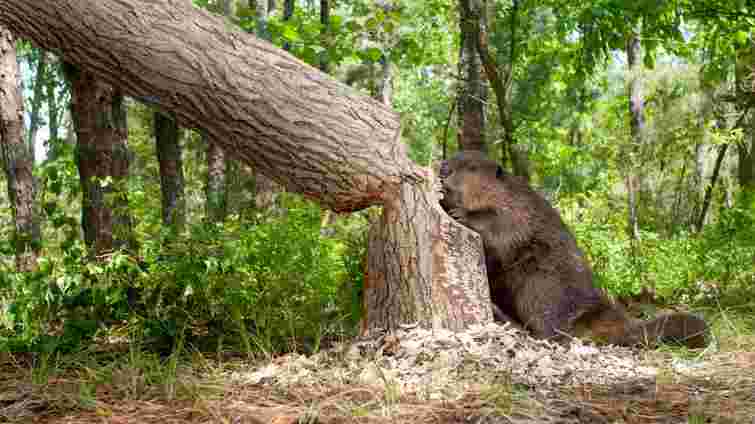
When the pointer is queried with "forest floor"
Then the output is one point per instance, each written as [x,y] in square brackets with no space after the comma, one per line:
[489,374]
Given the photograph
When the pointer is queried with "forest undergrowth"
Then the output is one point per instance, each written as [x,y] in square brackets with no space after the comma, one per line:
[151,337]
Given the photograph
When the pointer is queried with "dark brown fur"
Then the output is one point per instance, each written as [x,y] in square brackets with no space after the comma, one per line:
[538,275]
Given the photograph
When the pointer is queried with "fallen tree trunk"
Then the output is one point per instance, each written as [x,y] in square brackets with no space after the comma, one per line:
[289,121]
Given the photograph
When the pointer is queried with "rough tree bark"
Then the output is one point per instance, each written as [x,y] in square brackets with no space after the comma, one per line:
[473,92]
[99,118]
[216,185]
[287,119]
[17,157]
[265,189]
[456,295]
[169,156]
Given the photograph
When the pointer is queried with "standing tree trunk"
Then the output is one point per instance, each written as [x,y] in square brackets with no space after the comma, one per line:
[709,187]
[53,107]
[288,13]
[473,92]
[637,126]
[324,42]
[502,81]
[123,223]
[99,119]
[747,162]
[215,189]
[745,80]
[17,158]
[36,100]
[385,91]
[169,154]
[288,120]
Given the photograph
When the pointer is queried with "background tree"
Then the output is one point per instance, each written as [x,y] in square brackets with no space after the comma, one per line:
[287,282]
[37,99]
[17,158]
[473,92]
[99,117]
[169,156]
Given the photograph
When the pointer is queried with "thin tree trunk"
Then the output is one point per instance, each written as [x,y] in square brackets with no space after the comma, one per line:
[385,92]
[36,100]
[169,156]
[123,223]
[502,82]
[747,162]
[55,113]
[709,188]
[53,104]
[17,158]
[473,92]
[324,43]
[215,189]
[288,13]
[745,90]
[637,126]
[289,121]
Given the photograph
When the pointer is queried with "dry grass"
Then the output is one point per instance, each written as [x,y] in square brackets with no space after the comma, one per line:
[134,387]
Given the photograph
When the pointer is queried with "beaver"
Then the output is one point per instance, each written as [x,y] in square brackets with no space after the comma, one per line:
[538,275]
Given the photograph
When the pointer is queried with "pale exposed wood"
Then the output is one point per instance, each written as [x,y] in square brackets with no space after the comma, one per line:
[423,267]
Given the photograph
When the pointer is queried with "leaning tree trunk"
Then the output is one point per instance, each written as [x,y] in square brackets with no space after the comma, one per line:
[17,157]
[291,122]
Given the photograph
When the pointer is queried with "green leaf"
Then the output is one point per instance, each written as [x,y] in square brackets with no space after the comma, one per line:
[741,37]
[290,33]
[374,53]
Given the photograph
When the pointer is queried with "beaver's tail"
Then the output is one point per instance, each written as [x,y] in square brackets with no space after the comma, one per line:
[680,328]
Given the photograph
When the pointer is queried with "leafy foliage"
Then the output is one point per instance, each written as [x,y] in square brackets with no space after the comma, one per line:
[278,282]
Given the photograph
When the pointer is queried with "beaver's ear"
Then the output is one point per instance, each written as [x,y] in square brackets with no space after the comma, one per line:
[499,172]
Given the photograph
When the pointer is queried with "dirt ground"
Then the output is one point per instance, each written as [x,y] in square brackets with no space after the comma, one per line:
[393,380]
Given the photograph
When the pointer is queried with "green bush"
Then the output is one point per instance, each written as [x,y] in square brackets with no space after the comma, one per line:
[679,266]
[271,285]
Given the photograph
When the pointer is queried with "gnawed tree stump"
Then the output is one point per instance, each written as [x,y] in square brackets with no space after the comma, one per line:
[423,267]
[289,121]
